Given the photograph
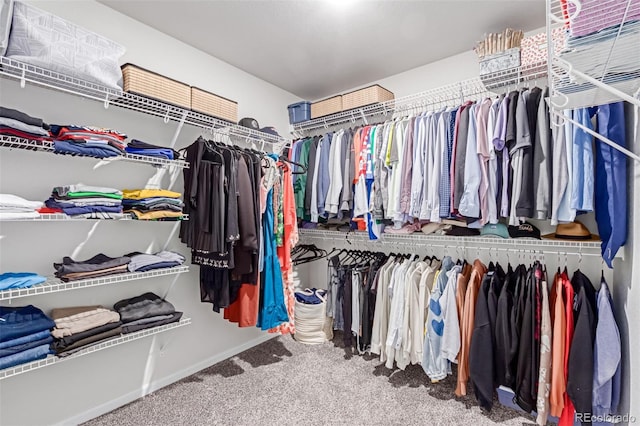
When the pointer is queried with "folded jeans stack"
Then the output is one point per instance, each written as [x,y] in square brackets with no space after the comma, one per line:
[25,335]
[81,326]
[11,280]
[152,204]
[14,207]
[87,141]
[143,148]
[18,124]
[145,311]
[142,262]
[98,266]
[91,202]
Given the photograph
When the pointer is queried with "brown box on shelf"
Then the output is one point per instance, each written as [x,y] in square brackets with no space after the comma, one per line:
[148,83]
[210,104]
[326,107]
[367,96]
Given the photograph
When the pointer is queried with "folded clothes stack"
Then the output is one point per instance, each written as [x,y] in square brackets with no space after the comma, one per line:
[98,266]
[142,262]
[19,124]
[87,141]
[142,148]
[81,326]
[12,280]
[14,207]
[145,311]
[91,202]
[152,204]
[25,335]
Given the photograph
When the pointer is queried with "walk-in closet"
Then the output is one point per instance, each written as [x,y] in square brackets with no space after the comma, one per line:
[365,212]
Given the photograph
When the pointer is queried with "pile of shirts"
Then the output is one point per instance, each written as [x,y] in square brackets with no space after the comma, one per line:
[11,280]
[87,141]
[554,342]
[14,207]
[25,335]
[91,202]
[153,204]
[142,262]
[505,157]
[101,265]
[81,326]
[145,311]
[19,124]
[98,266]
[142,148]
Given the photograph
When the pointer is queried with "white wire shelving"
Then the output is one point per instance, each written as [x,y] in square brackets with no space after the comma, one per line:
[42,77]
[597,61]
[116,341]
[57,217]
[13,142]
[418,239]
[55,285]
[449,95]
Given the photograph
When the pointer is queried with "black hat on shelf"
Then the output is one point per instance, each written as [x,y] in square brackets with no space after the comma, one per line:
[250,123]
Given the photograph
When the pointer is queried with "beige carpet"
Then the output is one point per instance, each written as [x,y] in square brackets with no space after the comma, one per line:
[282,382]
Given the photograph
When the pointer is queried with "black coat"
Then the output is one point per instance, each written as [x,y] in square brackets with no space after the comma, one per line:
[580,379]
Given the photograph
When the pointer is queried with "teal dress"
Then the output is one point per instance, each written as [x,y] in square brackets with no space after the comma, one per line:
[273,310]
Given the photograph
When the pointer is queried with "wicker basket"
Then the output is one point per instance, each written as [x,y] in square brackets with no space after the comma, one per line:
[326,107]
[367,96]
[147,83]
[208,103]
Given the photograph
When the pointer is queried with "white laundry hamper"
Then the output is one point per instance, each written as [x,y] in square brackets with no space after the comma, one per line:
[310,319]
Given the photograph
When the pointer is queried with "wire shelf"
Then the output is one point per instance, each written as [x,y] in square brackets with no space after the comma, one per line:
[55,285]
[64,83]
[124,338]
[419,239]
[13,142]
[449,95]
[55,217]
[597,61]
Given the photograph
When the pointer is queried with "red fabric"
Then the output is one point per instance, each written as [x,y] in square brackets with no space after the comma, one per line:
[7,131]
[568,412]
[244,311]
[47,210]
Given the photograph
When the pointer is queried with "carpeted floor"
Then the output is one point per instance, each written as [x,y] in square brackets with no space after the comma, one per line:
[283,382]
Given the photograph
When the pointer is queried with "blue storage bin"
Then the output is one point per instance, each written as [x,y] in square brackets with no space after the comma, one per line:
[299,112]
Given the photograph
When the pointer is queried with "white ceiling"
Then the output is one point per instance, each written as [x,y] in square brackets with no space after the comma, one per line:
[314,49]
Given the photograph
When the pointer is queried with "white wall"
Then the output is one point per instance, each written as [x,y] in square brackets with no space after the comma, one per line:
[77,390]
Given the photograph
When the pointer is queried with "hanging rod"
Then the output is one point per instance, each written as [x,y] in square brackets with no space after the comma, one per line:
[599,136]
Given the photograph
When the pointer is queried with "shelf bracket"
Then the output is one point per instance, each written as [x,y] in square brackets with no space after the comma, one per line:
[106,101]
[166,116]
[179,128]
[364,117]
[23,79]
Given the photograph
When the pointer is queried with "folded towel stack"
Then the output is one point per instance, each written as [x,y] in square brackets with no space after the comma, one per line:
[14,207]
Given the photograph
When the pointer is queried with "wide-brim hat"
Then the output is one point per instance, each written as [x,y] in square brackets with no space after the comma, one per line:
[574,231]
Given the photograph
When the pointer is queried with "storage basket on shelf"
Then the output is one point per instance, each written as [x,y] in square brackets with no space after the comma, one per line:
[210,104]
[299,112]
[367,96]
[326,106]
[148,83]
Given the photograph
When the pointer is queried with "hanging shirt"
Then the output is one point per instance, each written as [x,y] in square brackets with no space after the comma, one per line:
[483,153]
[542,162]
[439,144]
[610,181]
[583,173]
[492,166]
[324,174]
[502,154]
[565,212]
[445,181]
[525,204]
[459,158]
[313,204]
[470,200]
[407,168]
[522,141]
[335,174]
[418,171]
